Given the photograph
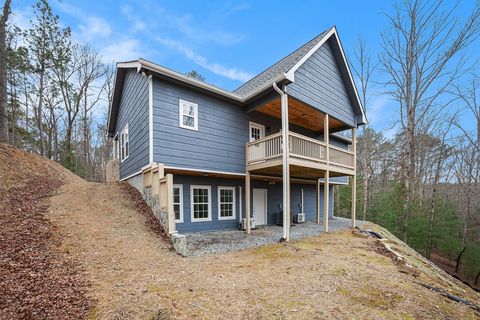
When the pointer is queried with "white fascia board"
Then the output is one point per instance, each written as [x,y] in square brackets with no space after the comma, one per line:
[332,32]
[297,65]
[364,118]
[141,63]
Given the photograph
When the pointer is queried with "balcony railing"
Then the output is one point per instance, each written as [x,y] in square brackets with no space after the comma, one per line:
[299,146]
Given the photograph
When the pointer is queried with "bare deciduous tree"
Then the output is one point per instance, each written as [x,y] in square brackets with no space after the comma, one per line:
[363,70]
[3,71]
[422,58]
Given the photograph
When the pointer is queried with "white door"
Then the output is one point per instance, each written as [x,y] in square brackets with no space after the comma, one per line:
[257,151]
[260,206]
[257,131]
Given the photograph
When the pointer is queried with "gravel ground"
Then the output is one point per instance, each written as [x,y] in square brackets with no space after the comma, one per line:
[204,243]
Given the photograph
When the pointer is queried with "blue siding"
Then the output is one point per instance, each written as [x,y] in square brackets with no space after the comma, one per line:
[219,143]
[274,201]
[319,83]
[215,224]
[134,111]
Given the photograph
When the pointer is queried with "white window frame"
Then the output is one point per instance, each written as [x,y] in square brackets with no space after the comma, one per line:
[209,218]
[259,126]
[234,204]
[179,186]
[182,103]
[123,142]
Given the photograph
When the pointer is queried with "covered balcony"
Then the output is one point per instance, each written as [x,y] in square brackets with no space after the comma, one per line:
[307,147]
[308,157]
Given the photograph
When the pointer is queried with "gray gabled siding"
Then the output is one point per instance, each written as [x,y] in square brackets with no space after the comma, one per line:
[319,83]
[219,143]
[134,111]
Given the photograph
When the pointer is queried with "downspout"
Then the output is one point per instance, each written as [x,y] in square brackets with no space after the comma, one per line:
[286,223]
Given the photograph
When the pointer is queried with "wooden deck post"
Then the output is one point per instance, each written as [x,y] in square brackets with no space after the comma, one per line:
[354,177]
[318,201]
[247,201]
[326,202]
[171,214]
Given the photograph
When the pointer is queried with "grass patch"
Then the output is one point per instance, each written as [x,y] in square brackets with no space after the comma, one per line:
[373,297]
[274,252]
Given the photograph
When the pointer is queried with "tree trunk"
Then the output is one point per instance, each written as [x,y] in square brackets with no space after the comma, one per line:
[432,210]
[43,148]
[459,258]
[3,72]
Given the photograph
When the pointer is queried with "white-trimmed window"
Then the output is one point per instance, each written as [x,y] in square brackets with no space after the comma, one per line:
[201,203]
[226,203]
[178,202]
[188,113]
[124,144]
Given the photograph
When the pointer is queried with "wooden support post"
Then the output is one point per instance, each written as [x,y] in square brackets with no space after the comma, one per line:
[354,177]
[171,214]
[247,201]
[318,201]
[286,168]
[326,202]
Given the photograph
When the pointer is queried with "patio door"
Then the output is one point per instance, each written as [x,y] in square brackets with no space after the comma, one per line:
[260,206]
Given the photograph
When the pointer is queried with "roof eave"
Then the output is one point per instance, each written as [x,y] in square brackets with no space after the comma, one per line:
[142,64]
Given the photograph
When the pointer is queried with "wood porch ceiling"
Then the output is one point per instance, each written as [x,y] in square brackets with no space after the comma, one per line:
[300,114]
[296,172]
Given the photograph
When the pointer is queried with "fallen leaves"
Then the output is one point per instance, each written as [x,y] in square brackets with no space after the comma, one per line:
[36,281]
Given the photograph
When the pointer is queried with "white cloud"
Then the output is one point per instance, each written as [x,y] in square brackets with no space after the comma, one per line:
[137,23]
[90,27]
[231,8]
[21,18]
[186,26]
[231,73]
[123,50]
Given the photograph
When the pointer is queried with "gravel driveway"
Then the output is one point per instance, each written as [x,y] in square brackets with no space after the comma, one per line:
[203,243]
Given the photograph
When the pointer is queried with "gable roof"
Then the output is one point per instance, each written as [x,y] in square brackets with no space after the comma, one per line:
[282,66]
[281,72]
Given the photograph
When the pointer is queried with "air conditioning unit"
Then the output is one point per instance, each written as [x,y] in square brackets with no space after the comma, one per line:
[299,218]
[244,223]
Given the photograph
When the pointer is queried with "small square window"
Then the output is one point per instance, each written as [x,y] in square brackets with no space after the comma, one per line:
[188,115]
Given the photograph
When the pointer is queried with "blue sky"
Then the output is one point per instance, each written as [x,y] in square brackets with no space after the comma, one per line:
[226,41]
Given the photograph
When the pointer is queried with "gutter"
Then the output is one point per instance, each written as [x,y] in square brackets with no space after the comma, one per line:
[285,166]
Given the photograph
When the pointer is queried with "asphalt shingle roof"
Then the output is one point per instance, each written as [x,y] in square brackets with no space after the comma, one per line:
[280,67]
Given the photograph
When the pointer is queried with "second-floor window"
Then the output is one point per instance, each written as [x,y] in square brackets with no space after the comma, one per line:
[188,113]
[124,144]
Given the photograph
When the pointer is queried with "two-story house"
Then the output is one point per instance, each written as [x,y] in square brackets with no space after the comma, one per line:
[265,153]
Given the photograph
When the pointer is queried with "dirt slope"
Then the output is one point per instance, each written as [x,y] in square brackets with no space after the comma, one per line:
[36,280]
[135,275]
[120,268]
